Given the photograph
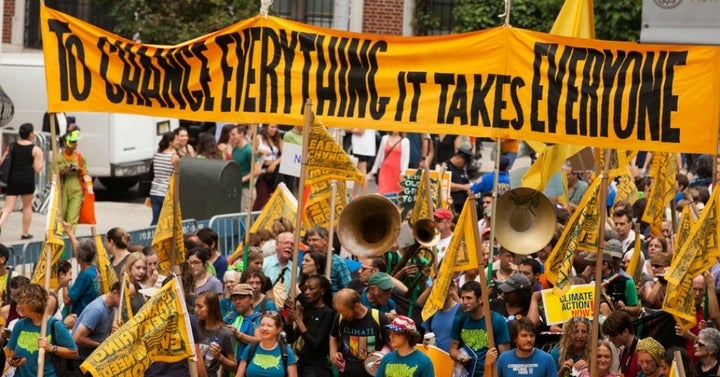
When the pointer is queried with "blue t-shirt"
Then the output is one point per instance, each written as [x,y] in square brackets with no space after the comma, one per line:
[382,308]
[539,364]
[267,363]
[440,324]
[245,325]
[414,364]
[487,180]
[472,333]
[98,318]
[228,310]
[85,289]
[221,265]
[24,341]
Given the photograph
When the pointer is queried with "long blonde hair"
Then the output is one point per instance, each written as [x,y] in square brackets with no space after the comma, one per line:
[567,340]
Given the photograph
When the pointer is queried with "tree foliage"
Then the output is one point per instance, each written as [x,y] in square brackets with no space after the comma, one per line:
[173,22]
[618,20]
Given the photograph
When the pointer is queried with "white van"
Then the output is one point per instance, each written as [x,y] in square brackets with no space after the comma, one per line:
[118,147]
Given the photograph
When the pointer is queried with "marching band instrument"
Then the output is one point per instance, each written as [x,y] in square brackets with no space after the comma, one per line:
[525,220]
[369,225]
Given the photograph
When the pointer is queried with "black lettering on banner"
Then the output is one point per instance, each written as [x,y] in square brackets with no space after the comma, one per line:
[307,46]
[650,93]
[113,92]
[67,65]
[225,43]
[540,50]
[205,95]
[150,83]
[478,105]
[670,100]
[172,78]
[252,36]
[357,84]
[571,123]
[458,104]
[378,104]
[343,76]
[415,79]
[515,85]
[326,68]
[445,80]
[130,74]
[624,130]
[555,74]
[500,103]
[610,69]
[288,45]
[402,93]
[268,70]
[588,123]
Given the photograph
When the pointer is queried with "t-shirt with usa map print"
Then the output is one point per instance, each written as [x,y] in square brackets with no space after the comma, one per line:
[414,364]
[267,363]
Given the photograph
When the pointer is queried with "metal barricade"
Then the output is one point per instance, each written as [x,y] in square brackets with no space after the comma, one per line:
[145,236]
[230,229]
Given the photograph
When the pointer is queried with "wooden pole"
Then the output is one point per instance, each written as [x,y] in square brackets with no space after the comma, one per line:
[301,193]
[175,207]
[55,156]
[490,370]
[602,210]
[251,189]
[493,210]
[181,296]
[331,230]
[43,324]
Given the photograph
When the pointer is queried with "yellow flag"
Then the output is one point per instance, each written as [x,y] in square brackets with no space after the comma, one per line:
[326,159]
[169,226]
[317,208]
[619,161]
[576,19]
[282,203]
[698,251]
[158,333]
[54,243]
[420,209]
[634,268]
[581,233]
[664,171]
[107,272]
[686,223]
[462,251]
[626,189]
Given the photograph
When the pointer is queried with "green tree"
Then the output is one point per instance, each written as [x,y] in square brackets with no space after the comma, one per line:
[173,22]
[614,20]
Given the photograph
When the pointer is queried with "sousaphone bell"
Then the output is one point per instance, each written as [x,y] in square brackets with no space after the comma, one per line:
[524,220]
[369,225]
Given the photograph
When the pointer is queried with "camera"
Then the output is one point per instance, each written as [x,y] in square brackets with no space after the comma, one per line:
[73,168]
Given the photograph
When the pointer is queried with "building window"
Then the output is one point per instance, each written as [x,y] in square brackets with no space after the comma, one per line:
[438,16]
[86,10]
[313,12]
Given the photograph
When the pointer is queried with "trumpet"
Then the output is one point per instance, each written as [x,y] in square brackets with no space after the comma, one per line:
[421,254]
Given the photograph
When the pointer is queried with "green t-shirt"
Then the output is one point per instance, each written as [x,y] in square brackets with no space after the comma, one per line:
[243,156]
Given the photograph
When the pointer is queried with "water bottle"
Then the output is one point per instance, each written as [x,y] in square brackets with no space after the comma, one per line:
[208,355]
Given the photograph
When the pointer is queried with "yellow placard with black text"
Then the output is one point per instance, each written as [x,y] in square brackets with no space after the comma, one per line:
[578,301]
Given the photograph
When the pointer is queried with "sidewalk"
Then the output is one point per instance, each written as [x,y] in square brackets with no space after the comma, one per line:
[128,216]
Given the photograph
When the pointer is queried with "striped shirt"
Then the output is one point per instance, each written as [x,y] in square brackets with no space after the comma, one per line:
[162,170]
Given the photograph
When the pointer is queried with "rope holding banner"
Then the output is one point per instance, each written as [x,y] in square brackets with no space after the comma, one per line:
[265,7]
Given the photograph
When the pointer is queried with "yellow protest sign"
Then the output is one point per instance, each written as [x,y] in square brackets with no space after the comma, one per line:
[578,301]
[157,333]
[282,203]
[54,243]
[326,159]
[102,261]
[512,83]
[169,227]
[317,208]
[664,173]
[410,183]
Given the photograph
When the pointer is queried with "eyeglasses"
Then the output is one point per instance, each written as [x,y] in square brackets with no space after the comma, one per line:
[195,262]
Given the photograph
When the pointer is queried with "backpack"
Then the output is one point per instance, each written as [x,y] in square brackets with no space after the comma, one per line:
[283,354]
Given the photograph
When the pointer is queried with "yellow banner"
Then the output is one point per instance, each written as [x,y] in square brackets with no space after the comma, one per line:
[581,233]
[326,159]
[578,301]
[169,226]
[54,243]
[511,83]
[462,251]
[410,183]
[686,223]
[626,188]
[664,173]
[282,203]
[420,209]
[107,272]
[157,333]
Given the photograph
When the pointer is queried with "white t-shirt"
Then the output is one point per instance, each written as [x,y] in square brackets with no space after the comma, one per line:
[364,145]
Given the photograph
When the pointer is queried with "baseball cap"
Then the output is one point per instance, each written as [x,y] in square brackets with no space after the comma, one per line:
[503,163]
[381,280]
[465,153]
[614,248]
[242,289]
[70,119]
[73,136]
[514,282]
[401,323]
[443,213]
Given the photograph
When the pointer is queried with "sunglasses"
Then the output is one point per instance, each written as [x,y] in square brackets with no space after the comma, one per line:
[580,319]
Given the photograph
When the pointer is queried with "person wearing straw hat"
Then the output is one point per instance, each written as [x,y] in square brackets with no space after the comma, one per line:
[404,360]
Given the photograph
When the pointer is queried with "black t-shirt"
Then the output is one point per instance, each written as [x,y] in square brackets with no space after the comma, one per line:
[357,339]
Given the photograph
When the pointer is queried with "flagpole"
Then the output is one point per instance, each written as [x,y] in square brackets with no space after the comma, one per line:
[493,209]
[301,193]
[490,371]
[250,198]
[428,189]
[602,210]
[118,313]
[331,229]
[55,166]
[181,295]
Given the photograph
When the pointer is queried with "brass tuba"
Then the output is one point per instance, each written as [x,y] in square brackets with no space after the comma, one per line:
[524,220]
[369,225]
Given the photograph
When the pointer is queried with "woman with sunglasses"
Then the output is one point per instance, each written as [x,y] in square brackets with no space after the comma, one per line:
[311,333]
[653,292]
[573,350]
[707,346]
[269,348]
